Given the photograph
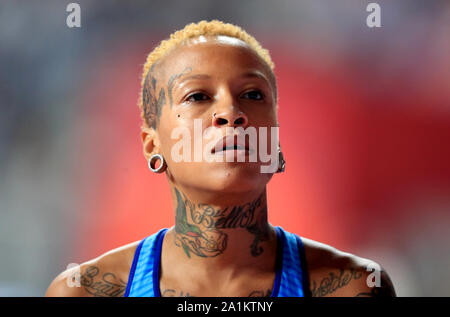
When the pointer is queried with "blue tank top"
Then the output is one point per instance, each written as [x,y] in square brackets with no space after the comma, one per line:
[291,278]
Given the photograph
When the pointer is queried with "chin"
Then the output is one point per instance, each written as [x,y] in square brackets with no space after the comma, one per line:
[235,178]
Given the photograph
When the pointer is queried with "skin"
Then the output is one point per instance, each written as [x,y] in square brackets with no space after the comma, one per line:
[222,243]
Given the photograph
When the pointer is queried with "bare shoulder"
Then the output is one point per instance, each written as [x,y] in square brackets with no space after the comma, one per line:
[104,276]
[335,273]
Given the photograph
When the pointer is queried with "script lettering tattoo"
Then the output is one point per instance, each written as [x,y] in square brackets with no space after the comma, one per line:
[152,101]
[108,286]
[204,243]
[205,214]
[260,293]
[239,216]
[235,217]
[204,236]
[172,80]
[173,293]
[333,282]
[386,288]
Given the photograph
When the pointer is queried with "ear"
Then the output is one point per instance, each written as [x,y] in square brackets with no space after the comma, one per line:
[150,142]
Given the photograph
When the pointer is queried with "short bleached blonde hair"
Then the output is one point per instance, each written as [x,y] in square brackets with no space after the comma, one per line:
[191,30]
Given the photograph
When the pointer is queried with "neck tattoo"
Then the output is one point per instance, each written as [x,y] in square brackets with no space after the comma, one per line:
[204,235]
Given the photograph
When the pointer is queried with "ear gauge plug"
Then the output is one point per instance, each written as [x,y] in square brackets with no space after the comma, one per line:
[281,161]
[151,163]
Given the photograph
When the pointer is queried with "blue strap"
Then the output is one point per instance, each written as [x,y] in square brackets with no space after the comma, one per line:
[304,267]
[157,261]
[278,263]
[133,268]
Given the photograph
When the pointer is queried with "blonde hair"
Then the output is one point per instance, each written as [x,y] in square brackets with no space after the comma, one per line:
[192,30]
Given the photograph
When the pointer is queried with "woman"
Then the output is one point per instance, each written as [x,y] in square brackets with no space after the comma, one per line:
[215,78]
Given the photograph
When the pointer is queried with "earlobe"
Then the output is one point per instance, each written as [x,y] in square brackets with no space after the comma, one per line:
[150,142]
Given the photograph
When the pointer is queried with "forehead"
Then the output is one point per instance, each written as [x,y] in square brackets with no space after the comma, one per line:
[214,55]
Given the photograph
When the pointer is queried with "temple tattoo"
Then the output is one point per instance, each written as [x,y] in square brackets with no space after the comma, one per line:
[172,80]
[106,286]
[152,101]
[204,236]
[333,282]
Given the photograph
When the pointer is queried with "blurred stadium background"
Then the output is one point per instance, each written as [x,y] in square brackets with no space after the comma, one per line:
[364,115]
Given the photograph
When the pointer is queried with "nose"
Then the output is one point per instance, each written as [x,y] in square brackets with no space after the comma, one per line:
[231,116]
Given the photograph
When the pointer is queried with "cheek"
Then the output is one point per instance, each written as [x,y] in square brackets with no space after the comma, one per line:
[182,125]
[262,115]
[176,137]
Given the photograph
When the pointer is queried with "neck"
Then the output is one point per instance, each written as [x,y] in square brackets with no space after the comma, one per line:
[221,233]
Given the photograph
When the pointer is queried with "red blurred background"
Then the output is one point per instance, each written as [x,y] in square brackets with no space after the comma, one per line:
[356,150]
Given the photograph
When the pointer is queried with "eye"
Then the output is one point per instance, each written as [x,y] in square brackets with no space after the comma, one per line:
[198,96]
[254,95]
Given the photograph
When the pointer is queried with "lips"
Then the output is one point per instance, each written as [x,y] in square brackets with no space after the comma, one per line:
[230,142]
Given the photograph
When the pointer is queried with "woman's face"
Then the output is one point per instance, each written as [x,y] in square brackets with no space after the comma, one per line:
[224,84]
